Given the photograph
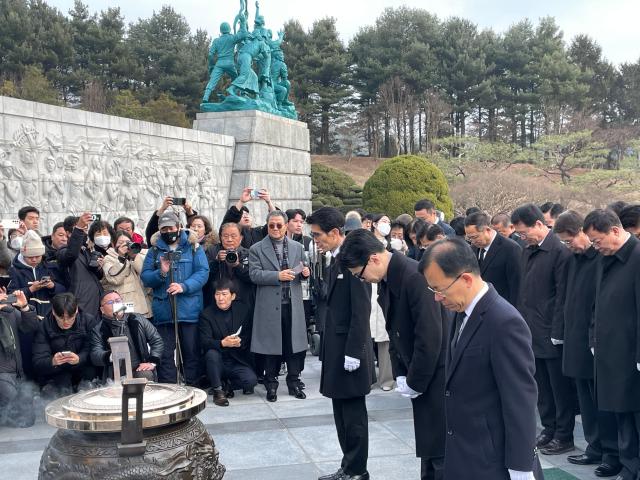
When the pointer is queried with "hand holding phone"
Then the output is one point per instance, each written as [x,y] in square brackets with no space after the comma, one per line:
[237,334]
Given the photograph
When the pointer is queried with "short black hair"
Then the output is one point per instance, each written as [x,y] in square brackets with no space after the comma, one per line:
[397,224]
[225,283]
[292,212]
[368,216]
[601,220]
[69,223]
[528,215]
[545,207]
[358,247]
[501,218]
[478,220]
[471,210]
[630,216]
[121,220]
[64,303]
[98,227]
[57,226]
[569,222]
[453,255]
[327,218]
[424,204]
[22,213]
[617,207]
[556,210]
[433,231]
[457,224]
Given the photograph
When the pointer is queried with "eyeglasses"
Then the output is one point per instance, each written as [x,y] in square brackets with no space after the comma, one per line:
[231,237]
[111,302]
[567,242]
[276,226]
[442,293]
[360,276]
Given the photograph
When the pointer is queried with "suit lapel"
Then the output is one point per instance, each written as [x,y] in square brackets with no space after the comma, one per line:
[270,253]
[491,254]
[334,271]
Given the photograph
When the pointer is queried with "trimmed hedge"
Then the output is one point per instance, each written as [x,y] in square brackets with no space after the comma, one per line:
[332,188]
[400,182]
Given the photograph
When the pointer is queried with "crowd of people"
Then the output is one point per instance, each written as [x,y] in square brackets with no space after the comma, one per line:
[481,322]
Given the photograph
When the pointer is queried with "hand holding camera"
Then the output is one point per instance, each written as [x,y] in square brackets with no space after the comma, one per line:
[84,221]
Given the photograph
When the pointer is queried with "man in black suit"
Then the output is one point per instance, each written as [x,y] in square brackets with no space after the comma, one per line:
[225,333]
[417,328]
[500,259]
[541,303]
[348,370]
[616,329]
[577,359]
[490,390]
[501,223]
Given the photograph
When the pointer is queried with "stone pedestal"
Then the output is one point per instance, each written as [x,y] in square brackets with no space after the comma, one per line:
[270,152]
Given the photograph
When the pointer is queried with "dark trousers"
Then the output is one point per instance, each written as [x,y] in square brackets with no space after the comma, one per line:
[190,348]
[350,416]
[67,379]
[294,361]
[432,468]
[629,444]
[600,428]
[223,367]
[556,399]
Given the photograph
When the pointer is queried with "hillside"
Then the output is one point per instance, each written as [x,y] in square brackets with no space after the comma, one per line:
[358,168]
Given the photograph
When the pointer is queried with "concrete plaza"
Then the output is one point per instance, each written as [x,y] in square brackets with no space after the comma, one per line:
[287,440]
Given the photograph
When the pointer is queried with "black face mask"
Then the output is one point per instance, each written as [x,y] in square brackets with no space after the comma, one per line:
[169,237]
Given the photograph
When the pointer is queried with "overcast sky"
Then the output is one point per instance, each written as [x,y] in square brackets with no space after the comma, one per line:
[612,23]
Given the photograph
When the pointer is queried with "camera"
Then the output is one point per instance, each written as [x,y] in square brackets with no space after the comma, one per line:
[134,247]
[95,256]
[255,193]
[172,256]
[11,299]
[232,257]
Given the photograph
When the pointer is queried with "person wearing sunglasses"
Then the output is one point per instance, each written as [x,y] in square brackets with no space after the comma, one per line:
[279,327]
[490,392]
[417,328]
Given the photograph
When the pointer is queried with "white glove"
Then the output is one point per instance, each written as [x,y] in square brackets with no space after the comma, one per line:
[593,351]
[351,364]
[404,389]
[516,475]
[638,366]
[555,341]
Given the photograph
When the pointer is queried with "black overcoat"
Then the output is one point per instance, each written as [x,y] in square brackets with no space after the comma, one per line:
[491,395]
[617,314]
[346,332]
[502,267]
[542,290]
[212,330]
[577,360]
[417,327]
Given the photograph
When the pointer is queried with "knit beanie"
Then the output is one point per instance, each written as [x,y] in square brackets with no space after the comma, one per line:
[32,245]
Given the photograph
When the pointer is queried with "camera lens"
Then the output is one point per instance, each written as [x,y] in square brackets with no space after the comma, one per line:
[232,256]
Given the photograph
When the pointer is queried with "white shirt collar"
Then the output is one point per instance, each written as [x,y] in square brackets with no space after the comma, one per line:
[469,310]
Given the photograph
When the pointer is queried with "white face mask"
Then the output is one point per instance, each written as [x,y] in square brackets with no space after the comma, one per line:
[102,241]
[396,244]
[16,242]
[384,229]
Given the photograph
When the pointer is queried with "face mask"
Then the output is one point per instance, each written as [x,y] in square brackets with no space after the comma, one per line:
[16,242]
[169,237]
[102,241]
[384,229]
[396,244]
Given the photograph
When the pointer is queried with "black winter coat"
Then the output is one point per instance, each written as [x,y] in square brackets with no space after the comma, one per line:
[542,290]
[58,272]
[346,332]
[22,275]
[239,274]
[212,329]
[51,339]
[250,235]
[577,360]
[617,326]
[84,281]
[502,267]
[417,326]
[21,323]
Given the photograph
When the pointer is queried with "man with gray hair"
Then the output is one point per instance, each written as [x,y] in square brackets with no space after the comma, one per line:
[279,327]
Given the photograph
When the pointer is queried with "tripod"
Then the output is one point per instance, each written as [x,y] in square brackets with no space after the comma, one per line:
[174,256]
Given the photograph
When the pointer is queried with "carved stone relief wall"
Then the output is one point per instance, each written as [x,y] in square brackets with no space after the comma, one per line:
[66,161]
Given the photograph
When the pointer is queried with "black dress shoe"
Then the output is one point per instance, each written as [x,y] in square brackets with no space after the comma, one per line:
[584,459]
[606,470]
[364,476]
[333,476]
[272,396]
[543,439]
[297,392]
[220,399]
[247,391]
[557,447]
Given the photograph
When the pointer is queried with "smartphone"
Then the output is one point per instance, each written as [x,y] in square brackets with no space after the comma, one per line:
[298,268]
[255,193]
[45,279]
[95,217]
[179,200]
[128,307]
[5,281]
[67,353]
[10,300]
[237,334]
[10,224]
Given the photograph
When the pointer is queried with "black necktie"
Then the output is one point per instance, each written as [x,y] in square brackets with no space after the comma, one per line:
[481,256]
[456,336]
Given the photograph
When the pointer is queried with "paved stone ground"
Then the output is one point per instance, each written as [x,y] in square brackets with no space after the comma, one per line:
[286,440]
